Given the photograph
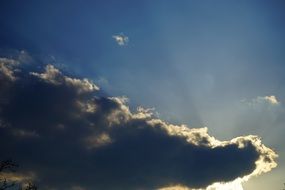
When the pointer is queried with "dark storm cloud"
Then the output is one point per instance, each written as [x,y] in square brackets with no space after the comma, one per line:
[60,129]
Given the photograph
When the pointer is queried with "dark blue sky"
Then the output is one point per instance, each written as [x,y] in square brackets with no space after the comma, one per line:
[195,62]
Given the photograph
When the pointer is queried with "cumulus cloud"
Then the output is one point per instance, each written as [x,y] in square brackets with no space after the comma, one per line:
[121,39]
[54,76]
[87,141]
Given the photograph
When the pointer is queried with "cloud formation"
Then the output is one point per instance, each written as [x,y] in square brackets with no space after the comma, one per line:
[62,130]
[262,102]
[264,116]
[121,39]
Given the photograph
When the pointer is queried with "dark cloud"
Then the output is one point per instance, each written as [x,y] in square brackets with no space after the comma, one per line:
[66,134]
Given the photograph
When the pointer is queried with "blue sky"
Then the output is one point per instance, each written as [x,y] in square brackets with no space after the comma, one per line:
[200,63]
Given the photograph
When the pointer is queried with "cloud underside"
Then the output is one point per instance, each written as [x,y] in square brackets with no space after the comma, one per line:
[70,137]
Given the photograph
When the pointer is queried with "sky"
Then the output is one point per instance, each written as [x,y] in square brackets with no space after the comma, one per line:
[113,73]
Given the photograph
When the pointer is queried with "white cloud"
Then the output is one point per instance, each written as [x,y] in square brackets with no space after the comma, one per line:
[262,100]
[272,99]
[121,39]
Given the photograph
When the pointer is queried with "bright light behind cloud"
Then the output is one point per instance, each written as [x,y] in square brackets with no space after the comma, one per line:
[234,185]
[166,155]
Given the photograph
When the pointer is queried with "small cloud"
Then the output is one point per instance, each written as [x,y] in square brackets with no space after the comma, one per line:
[121,39]
[271,99]
[262,102]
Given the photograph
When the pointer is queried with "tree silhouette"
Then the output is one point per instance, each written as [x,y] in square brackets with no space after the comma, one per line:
[30,186]
[9,165]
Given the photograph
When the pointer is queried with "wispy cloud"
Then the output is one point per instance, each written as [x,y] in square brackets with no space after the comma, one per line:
[262,100]
[262,115]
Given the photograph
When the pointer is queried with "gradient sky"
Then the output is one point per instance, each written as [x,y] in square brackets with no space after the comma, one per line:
[218,64]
